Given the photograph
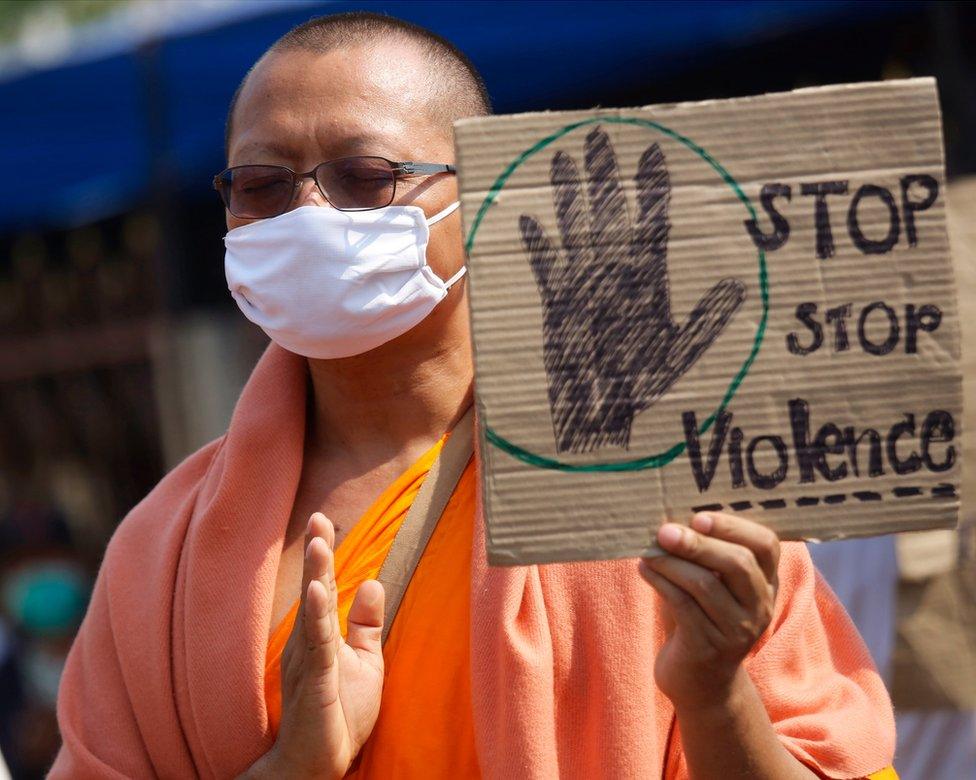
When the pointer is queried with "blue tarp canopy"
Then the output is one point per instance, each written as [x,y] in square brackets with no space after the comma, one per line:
[90,135]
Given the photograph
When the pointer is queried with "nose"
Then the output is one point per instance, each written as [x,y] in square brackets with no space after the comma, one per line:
[308,194]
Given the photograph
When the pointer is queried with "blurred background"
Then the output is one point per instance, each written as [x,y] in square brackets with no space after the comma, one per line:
[121,350]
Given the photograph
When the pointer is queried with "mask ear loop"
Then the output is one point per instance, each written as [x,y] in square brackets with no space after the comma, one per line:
[437,218]
[443,213]
[450,282]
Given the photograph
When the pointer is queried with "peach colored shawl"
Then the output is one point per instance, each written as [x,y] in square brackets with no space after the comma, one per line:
[165,678]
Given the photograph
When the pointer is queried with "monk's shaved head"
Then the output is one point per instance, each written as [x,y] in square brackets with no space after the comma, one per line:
[454,87]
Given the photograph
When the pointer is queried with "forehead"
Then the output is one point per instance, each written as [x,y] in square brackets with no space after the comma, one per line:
[302,107]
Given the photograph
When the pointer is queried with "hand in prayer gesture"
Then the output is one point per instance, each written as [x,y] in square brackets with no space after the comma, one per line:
[331,686]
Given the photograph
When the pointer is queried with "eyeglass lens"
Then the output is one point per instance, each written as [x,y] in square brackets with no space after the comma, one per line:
[260,191]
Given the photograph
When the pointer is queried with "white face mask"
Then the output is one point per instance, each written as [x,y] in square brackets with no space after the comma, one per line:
[325,283]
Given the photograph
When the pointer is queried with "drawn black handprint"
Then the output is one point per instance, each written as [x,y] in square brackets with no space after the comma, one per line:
[611,347]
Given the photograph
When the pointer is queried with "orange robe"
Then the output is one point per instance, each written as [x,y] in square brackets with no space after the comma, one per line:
[425,728]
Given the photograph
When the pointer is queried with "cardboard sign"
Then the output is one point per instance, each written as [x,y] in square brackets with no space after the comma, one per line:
[740,305]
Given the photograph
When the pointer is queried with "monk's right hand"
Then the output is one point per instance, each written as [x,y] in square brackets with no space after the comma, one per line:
[330,686]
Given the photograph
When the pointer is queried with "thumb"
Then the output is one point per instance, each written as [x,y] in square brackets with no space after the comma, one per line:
[365,623]
[707,321]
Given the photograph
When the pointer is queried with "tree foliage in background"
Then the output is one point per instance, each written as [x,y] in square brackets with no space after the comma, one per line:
[16,15]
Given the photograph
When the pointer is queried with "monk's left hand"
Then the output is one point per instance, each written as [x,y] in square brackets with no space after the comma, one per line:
[718,582]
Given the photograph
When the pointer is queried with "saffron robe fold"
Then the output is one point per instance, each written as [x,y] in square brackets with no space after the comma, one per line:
[166,676]
[427,685]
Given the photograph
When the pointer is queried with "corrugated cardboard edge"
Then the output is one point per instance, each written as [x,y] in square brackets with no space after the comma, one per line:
[664,108]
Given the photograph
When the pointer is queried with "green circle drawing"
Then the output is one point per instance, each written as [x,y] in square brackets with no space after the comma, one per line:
[661,458]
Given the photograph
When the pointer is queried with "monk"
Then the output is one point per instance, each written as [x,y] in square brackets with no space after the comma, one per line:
[236,625]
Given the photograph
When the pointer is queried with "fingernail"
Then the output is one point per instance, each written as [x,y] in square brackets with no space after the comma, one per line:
[670,534]
[308,526]
[703,522]
[372,596]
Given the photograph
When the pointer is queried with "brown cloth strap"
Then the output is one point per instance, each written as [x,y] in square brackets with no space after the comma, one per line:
[422,517]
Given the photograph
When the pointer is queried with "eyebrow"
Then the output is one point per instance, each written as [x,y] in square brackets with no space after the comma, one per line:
[271,147]
[363,143]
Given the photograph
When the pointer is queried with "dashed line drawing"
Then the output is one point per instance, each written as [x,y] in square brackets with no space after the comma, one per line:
[942,490]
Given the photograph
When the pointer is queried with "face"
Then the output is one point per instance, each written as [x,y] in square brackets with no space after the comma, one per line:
[300,108]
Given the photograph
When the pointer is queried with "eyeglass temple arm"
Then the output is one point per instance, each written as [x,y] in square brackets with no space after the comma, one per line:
[409,168]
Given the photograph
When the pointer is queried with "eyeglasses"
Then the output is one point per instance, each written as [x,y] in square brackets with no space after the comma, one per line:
[348,183]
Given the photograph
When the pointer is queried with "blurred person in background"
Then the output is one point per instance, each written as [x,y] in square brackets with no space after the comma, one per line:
[44,600]
[236,624]
[43,594]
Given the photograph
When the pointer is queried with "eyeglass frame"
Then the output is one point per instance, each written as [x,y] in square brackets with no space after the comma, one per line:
[400,169]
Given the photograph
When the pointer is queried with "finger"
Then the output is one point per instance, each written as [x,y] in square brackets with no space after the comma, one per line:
[709,592]
[322,526]
[762,541]
[571,216]
[319,526]
[322,636]
[608,206]
[364,630]
[653,199]
[649,248]
[707,321]
[736,564]
[683,609]
[542,254]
